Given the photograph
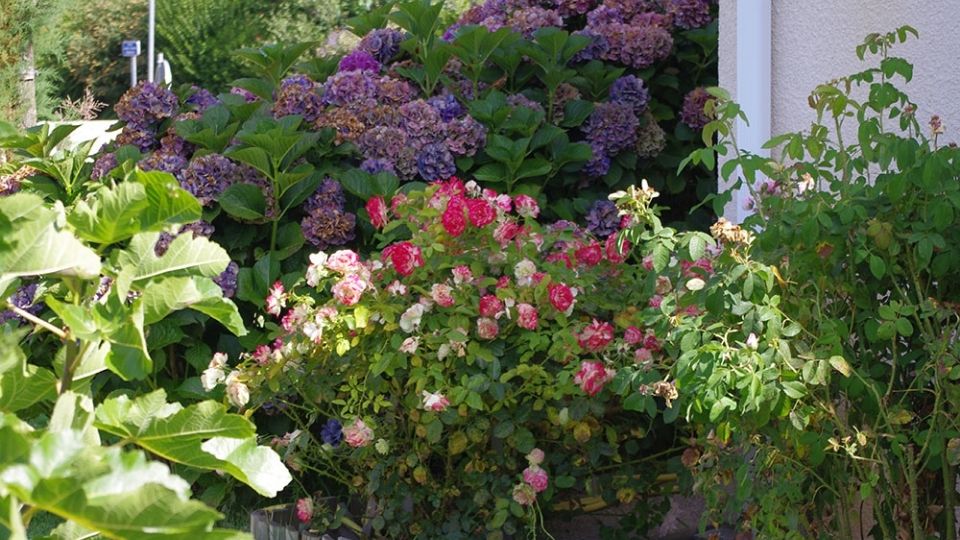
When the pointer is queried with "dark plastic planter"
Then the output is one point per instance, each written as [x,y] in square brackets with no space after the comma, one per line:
[280,523]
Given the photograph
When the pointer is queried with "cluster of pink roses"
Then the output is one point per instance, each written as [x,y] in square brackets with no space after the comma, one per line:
[535,479]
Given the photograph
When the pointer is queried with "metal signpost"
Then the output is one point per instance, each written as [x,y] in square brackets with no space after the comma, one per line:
[151,32]
[131,49]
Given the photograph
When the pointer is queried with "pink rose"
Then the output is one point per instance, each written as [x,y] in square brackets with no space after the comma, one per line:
[526,206]
[506,231]
[461,275]
[642,356]
[396,202]
[536,478]
[344,261]
[503,282]
[305,510]
[561,296]
[480,212]
[590,254]
[357,434]
[348,290]
[701,268]
[442,294]
[593,376]
[487,328]
[452,219]
[651,342]
[503,202]
[377,209]
[490,306]
[276,299]
[648,263]
[536,456]
[632,335]
[527,317]
[435,402]
[655,301]
[615,255]
[560,257]
[524,494]
[404,256]
[596,336]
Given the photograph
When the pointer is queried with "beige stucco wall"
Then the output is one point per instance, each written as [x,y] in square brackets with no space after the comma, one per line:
[813,41]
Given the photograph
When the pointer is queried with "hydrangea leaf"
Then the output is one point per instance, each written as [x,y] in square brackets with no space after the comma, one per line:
[179,435]
[167,202]
[187,255]
[39,246]
[109,214]
[167,295]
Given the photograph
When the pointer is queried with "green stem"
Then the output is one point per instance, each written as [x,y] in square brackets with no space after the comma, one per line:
[911,474]
[37,321]
[949,503]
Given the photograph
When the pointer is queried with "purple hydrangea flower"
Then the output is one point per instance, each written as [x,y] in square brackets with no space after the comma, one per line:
[612,126]
[103,165]
[435,162]
[599,164]
[348,87]
[196,229]
[145,104]
[604,15]
[207,176]
[464,136]
[529,20]
[569,8]
[420,121]
[298,95]
[597,48]
[374,166]
[24,299]
[329,194]
[631,91]
[631,8]
[332,432]
[227,280]
[639,46]
[520,100]
[447,106]
[692,113]
[164,162]
[382,142]
[392,91]
[603,219]
[202,99]
[324,227]
[144,139]
[383,43]
[247,95]
[359,60]
[688,14]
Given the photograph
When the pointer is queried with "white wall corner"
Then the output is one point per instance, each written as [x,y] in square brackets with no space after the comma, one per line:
[750,84]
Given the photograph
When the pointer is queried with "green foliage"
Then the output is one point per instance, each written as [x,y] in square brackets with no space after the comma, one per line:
[864,233]
[61,468]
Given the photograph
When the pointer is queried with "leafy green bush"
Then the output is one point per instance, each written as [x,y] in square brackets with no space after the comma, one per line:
[82,270]
[859,213]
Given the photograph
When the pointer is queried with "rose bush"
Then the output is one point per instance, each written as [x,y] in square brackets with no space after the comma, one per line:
[420,378]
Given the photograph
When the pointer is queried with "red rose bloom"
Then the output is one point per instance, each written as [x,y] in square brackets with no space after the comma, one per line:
[487,328]
[377,209]
[453,221]
[632,335]
[404,256]
[614,255]
[490,306]
[589,254]
[481,212]
[561,257]
[596,336]
[527,316]
[560,296]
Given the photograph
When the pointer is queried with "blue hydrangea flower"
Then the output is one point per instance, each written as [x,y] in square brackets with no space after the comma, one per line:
[612,126]
[325,227]
[435,162]
[631,91]
[599,164]
[227,280]
[332,432]
[348,87]
[374,166]
[201,99]
[145,104]
[206,177]
[383,43]
[603,219]
[447,106]
[359,60]
[103,165]
[298,95]
[24,299]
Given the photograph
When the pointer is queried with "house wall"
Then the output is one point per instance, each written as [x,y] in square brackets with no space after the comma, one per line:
[813,41]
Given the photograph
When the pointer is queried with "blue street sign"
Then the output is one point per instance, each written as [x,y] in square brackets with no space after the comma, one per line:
[130,49]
